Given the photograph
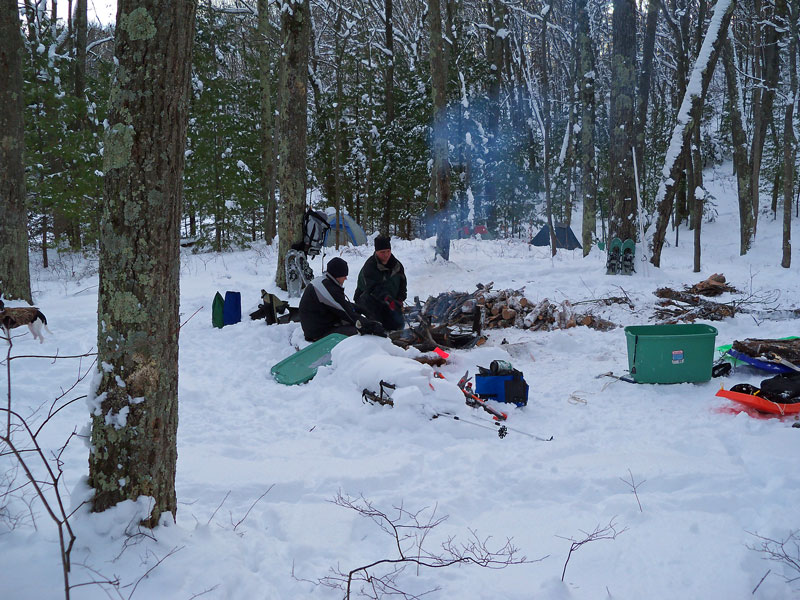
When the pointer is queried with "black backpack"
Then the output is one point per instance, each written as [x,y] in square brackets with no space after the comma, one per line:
[783,388]
[315,226]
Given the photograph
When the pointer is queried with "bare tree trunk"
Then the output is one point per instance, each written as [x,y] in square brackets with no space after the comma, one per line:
[135,415]
[698,194]
[621,120]
[495,56]
[338,146]
[295,35]
[547,125]
[689,114]
[763,99]
[389,98]
[268,170]
[81,34]
[789,142]
[739,139]
[645,75]
[441,163]
[15,279]
[588,165]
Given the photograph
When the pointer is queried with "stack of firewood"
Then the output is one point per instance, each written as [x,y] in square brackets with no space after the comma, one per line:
[509,308]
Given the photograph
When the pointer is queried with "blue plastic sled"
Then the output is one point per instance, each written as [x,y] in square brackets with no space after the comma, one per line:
[764,365]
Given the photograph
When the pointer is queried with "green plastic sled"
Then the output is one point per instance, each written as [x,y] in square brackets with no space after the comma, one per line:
[303,364]
[217,310]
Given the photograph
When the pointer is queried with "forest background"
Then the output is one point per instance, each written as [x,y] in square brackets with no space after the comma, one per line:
[418,118]
[542,106]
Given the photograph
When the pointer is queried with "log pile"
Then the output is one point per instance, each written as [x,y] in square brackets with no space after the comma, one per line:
[510,308]
[495,309]
[457,319]
[685,307]
[786,349]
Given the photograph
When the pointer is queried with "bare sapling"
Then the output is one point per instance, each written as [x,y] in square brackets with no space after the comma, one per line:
[410,530]
[634,485]
[609,532]
[43,471]
[785,551]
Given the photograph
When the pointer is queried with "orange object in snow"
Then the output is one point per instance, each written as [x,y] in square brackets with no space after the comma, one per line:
[760,403]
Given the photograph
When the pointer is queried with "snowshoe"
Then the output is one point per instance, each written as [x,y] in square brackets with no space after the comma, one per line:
[613,261]
[628,253]
[306,272]
[294,274]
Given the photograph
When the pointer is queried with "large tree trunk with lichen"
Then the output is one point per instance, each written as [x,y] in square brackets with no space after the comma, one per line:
[15,279]
[135,416]
[293,92]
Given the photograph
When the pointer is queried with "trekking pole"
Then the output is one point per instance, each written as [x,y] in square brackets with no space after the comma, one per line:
[502,429]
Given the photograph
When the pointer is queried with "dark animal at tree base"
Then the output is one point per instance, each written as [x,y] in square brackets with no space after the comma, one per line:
[10,318]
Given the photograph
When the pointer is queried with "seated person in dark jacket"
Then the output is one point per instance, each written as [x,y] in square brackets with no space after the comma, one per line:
[381,288]
[324,308]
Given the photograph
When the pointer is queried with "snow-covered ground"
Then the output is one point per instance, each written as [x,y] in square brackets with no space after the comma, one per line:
[708,479]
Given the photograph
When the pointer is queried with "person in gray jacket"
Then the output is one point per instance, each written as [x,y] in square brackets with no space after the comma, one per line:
[325,309]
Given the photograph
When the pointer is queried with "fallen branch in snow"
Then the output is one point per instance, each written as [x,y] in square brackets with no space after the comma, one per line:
[609,532]
[677,306]
[409,530]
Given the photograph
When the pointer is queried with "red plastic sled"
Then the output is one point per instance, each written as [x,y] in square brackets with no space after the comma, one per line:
[760,404]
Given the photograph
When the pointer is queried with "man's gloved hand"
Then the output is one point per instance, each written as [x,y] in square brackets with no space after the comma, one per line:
[370,327]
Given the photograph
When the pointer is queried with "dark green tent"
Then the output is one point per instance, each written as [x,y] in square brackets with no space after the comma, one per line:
[564,237]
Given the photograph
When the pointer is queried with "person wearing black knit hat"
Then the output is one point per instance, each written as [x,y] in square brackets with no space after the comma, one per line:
[325,309]
[382,284]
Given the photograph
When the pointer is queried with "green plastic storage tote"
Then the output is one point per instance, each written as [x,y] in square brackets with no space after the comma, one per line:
[670,353]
